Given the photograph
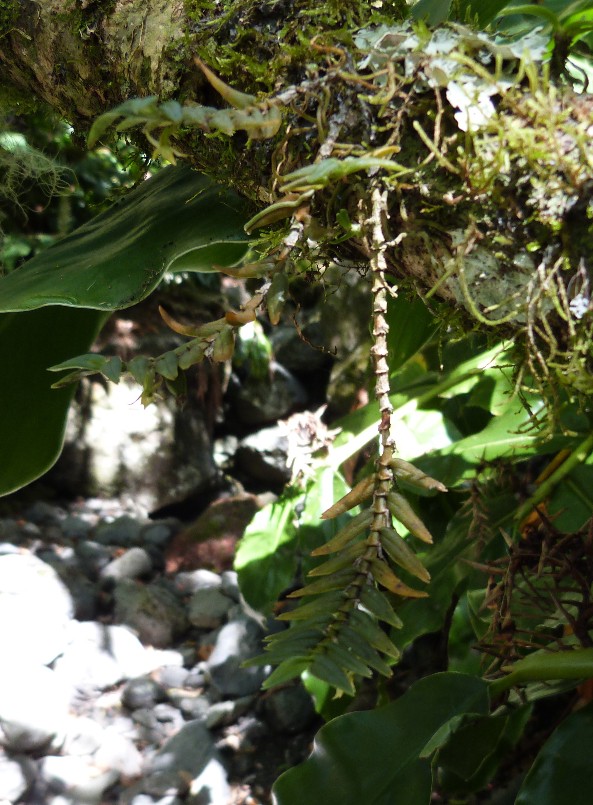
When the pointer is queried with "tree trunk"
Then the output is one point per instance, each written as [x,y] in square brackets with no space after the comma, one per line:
[491,210]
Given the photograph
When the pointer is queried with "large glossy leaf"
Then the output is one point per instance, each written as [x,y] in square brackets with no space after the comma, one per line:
[376,758]
[177,220]
[562,770]
[32,414]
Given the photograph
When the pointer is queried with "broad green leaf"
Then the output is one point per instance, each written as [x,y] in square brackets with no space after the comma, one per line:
[274,551]
[375,757]
[177,220]
[32,414]
[434,12]
[474,752]
[562,770]
[411,326]
[571,504]
[480,11]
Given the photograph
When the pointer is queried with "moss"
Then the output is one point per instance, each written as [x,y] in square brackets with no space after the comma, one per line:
[9,13]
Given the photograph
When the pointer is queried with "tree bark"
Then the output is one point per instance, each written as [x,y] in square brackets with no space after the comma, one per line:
[496,221]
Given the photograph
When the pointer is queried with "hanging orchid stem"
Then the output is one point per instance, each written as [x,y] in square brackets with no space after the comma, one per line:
[379,352]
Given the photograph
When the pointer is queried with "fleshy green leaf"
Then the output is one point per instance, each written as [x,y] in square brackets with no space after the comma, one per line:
[562,770]
[374,757]
[32,414]
[119,257]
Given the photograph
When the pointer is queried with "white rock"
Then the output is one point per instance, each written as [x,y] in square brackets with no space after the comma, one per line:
[100,656]
[78,778]
[16,776]
[33,708]
[35,610]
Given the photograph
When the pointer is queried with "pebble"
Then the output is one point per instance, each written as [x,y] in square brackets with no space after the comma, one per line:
[122,681]
[132,564]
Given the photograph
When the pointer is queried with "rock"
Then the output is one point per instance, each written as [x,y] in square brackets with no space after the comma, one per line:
[124,531]
[188,762]
[132,564]
[294,353]
[210,540]
[75,527]
[195,580]
[142,692]
[83,736]
[9,531]
[263,456]
[17,774]
[259,401]
[92,557]
[78,779]
[158,534]
[289,709]
[35,610]
[99,656]
[208,608]
[42,513]
[230,585]
[33,707]
[236,642]
[153,611]
[227,712]
[118,753]
[171,676]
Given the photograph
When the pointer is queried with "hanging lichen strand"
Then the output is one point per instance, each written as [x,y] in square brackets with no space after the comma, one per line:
[336,633]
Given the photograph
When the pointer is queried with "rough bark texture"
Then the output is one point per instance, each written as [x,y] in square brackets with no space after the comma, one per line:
[496,220]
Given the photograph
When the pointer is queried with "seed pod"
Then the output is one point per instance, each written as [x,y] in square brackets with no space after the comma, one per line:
[276,298]
[224,345]
[358,494]
[402,554]
[351,530]
[402,511]
[385,576]
[412,475]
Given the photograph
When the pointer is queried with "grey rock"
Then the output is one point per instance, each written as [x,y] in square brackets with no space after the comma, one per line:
[9,530]
[152,610]
[230,585]
[8,547]
[124,531]
[236,642]
[259,401]
[75,527]
[294,353]
[77,778]
[157,535]
[166,713]
[34,605]
[227,712]
[194,580]
[42,513]
[142,692]
[196,678]
[132,564]
[193,708]
[17,774]
[208,608]
[289,709]
[92,557]
[33,708]
[171,676]
[188,762]
[263,455]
